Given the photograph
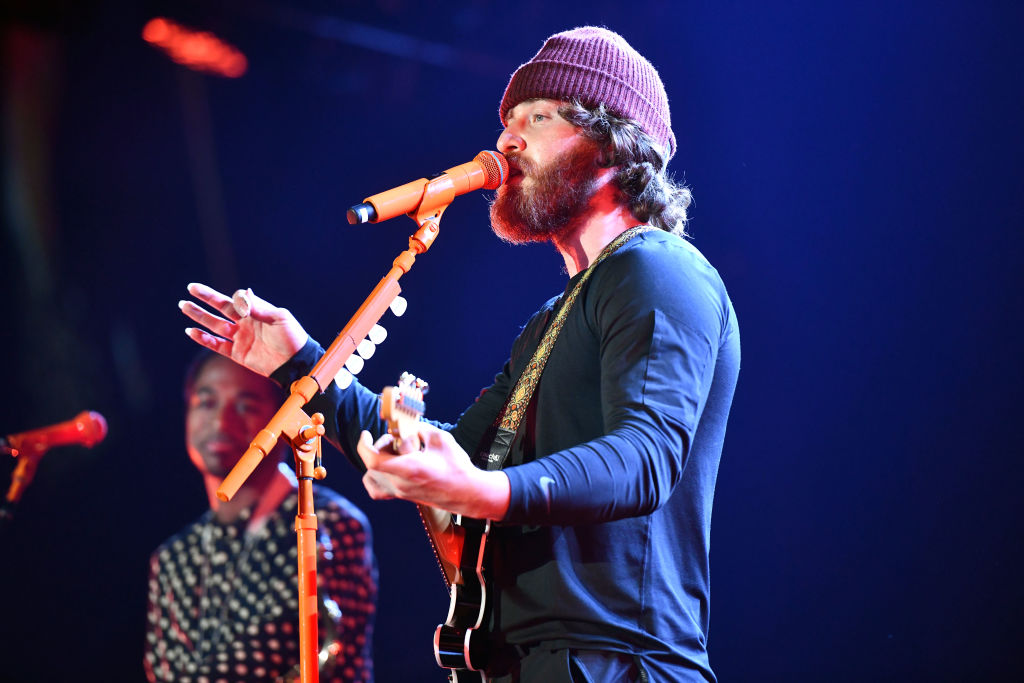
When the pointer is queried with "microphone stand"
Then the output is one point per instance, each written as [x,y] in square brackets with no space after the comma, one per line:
[21,477]
[304,433]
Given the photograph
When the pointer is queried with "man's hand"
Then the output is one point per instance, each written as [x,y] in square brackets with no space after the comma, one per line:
[252,332]
[441,476]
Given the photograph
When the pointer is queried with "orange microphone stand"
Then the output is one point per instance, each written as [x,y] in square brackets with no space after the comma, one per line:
[304,432]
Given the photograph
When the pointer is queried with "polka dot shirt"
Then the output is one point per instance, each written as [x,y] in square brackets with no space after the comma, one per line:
[223,602]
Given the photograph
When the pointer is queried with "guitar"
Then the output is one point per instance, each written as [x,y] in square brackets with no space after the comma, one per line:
[459,544]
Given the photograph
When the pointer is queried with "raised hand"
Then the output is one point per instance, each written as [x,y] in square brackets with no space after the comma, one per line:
[250,331]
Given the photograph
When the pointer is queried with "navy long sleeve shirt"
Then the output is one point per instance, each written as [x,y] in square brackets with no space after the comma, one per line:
[607,538]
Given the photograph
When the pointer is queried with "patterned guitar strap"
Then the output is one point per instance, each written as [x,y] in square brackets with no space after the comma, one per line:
[515,406]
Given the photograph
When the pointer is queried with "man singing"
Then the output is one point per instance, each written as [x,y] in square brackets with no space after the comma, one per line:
[618,390]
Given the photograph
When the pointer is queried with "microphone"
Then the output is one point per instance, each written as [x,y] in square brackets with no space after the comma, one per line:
[87,429]
[488,170]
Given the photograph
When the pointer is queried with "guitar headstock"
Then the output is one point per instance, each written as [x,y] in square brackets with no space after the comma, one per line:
[402,407]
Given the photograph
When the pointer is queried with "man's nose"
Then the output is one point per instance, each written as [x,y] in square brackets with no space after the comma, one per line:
[226,417]
[510,142]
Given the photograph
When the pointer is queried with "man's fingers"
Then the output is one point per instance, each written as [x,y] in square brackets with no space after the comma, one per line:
[203,338]
[216,324]
[214,300]
[431,435]
[437,439]
[369,452]
[378,486]
[206,294]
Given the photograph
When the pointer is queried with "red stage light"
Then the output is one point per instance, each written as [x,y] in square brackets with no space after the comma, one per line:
[198,50]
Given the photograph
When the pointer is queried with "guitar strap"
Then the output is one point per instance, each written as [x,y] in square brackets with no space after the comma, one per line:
[515,405]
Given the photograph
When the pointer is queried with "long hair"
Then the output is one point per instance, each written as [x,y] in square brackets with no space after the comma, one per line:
[652,196]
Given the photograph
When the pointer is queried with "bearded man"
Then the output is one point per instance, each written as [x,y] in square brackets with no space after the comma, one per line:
[617,391]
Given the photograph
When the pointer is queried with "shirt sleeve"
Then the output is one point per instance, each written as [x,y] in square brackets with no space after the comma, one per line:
[658,314]
[347,412]
[347,573]
[155,620]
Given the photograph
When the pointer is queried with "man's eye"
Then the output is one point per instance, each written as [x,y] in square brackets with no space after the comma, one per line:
[539,117]
[247,408]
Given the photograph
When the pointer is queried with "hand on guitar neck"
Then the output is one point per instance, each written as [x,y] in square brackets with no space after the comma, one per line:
[421,463]
[440,475]
[433,471]
[402,407]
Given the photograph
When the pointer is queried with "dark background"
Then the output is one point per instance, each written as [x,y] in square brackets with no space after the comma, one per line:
[856,169]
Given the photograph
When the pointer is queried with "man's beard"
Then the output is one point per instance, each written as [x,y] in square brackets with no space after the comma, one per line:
[559,194]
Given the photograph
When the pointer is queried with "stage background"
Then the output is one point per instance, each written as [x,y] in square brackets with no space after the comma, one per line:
[856,169]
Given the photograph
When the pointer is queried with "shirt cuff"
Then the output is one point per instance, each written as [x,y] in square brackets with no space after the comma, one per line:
[298,365]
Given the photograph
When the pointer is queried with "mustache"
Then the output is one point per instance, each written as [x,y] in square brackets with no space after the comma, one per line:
[222,439]
[520,163]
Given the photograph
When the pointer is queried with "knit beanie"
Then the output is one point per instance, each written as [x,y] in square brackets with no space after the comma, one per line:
[595,65]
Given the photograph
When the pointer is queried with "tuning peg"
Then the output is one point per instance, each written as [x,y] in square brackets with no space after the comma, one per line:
[354,364]
[377,334]
[343,378]
[398,306]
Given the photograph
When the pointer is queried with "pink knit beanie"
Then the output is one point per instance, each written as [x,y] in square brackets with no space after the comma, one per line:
[595,65]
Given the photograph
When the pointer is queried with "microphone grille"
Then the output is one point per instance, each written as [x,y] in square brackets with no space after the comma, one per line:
[495,167]
[93,427]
